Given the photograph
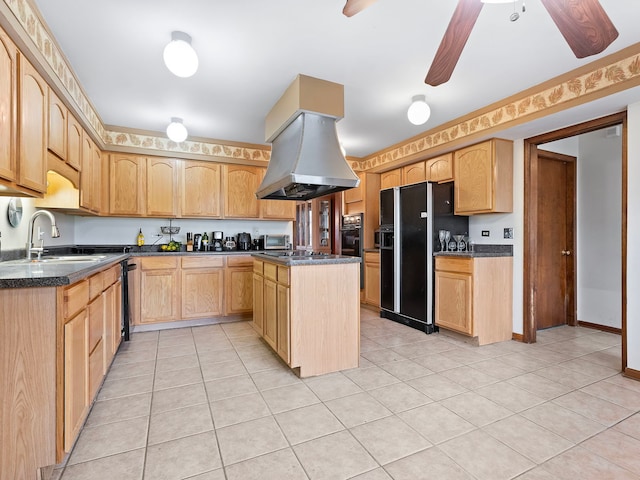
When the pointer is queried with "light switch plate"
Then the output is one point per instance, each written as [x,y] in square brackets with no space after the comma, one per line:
[485,233]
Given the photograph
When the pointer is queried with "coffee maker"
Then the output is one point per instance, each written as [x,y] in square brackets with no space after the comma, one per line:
[244,241]
[217,241]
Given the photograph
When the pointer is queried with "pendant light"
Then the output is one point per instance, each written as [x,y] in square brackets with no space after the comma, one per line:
[176,131]
[419,111]
[179,56]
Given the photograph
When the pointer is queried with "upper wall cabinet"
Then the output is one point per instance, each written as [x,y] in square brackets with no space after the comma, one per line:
[74,143]
[484,178]
[32,132]
[58,120]
[8,88]
[162,187]
[392,178]
[354,195]
[414,173]
[439,169]
[240,183]
[127,175]
[200,189]
[276,209]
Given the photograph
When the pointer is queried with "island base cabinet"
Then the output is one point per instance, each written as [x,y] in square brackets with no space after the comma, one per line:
[309,314]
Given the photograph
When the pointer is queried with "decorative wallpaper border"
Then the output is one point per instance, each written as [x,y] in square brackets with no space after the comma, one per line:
[515,110]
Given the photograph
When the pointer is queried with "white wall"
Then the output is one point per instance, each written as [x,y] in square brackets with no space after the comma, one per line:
[599,223]
[110,231]
[633,234]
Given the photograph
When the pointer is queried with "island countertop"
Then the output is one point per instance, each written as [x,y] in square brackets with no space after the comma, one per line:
[293,260]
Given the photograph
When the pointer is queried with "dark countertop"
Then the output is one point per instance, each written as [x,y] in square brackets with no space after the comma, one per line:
[482,250]
[53,275]
[372,250]
[310,260]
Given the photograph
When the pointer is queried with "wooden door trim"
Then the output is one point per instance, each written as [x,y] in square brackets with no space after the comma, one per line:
[531,189]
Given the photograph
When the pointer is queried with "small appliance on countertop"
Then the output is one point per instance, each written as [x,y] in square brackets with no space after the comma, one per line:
[229,244]
[258,244]
[244,241]
[275,241]
[218,242]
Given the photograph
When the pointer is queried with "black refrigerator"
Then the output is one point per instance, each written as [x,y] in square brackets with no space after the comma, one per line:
[410,218]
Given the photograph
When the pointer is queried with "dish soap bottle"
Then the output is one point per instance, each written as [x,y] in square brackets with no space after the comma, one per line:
[140,238]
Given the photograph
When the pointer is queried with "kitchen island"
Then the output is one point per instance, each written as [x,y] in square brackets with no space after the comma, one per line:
[307,308]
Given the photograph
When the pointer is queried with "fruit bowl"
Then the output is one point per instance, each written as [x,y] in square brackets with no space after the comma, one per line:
[171,247]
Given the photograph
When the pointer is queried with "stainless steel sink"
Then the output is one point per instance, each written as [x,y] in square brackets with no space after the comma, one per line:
[55,259]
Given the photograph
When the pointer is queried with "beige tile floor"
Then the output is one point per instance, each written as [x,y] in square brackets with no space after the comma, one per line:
[213,402]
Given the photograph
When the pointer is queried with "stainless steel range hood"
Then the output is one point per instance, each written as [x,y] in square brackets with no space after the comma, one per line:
[306,161]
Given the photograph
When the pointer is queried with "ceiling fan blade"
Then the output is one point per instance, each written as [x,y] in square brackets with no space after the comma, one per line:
[584,24]
[462,22]
[355,6]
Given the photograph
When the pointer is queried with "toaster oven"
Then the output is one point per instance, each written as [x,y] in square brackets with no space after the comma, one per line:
[272,241]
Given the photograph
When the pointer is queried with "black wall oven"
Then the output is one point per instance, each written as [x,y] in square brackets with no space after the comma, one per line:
[351,240]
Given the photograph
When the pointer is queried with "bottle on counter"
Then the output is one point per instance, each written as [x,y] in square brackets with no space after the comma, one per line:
[205,241]
[140,238]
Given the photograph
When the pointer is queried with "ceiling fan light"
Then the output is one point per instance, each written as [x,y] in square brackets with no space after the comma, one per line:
[176,131]
[179,56]
[419,111]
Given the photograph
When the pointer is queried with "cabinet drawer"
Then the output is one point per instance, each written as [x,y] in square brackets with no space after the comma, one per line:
[371,257]
[239,260]
[159,263]
[283,275]
[110,276]
[453,264]
[258,266]
[75,298]
[202,261]
[95,285]
[271,271]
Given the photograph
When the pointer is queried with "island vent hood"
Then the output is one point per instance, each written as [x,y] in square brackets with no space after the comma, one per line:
[306,158]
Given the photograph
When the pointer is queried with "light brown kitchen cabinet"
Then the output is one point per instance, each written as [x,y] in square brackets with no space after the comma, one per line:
[96,179]
[258,297]
[239,284]
[283,292]
[440,169]
[74,143]
[390,179]
[372,278]
[76,377]
[355,195]
[270,312]
[32,132]
[278,209]
[240,183]
[369,206]
[474,296]
[159,289]
[112,324]
[57,136]
[202,286]
[127,185]
[8,95]
[414,173]
[200,191]
[91,175]
[484,178]
[162,187]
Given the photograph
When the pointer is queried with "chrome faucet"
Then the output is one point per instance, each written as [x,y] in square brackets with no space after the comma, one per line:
[55,233]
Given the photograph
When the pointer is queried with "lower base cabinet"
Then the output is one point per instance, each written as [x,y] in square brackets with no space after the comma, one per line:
[76,375]
[474,297]
[372,278]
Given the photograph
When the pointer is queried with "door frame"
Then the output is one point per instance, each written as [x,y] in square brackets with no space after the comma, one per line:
[531,192]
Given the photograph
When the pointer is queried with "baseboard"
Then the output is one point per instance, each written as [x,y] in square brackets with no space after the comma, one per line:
[603,328]
[631,373]
[189,323]
[518,337]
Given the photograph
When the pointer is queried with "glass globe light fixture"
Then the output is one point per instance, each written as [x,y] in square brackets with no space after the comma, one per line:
[419,111]
[176,131]
[179,56]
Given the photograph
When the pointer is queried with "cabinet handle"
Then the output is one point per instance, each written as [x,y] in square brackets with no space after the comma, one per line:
[566,253]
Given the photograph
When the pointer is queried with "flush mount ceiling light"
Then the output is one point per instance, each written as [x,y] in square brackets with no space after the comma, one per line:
[176,131]
[419,112]
[179,56]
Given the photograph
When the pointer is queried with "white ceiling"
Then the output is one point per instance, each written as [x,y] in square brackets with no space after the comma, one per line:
[251,50]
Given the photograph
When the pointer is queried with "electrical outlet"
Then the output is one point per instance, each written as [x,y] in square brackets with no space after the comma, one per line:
[508,233]
[485,233]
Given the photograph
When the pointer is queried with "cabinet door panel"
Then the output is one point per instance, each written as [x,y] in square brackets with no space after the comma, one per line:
[440,169]
[354,195]
[200,189]
[8,93]
[258,303]
[76,377]
[454,301]
[202,292]
[127,185]
[372,282]
[32,144]
[162,183]
[240,185]
[474,179]
[57,138]
[284,323]
[270,325]
[239,286]
[159,296]
[86,176]
[392,178]
[74,142]
[414,173]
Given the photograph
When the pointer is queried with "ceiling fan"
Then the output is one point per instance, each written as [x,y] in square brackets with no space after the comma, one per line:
[584,24]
